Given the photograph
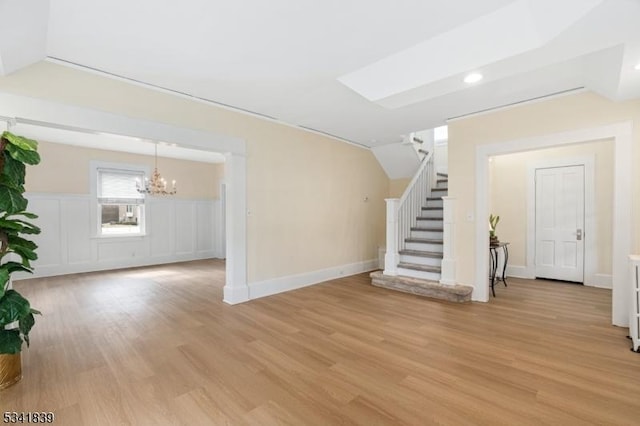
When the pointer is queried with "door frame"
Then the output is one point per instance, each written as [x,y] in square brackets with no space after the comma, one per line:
[590,234]
[623,229]
[85,119]
[222,237]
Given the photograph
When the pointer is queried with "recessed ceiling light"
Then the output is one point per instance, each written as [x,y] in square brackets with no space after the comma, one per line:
[637,67]
[474,77]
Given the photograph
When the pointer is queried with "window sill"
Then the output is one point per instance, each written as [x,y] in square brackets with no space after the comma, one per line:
[119,237]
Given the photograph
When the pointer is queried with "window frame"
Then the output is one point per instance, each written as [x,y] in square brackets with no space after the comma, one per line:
[96,209]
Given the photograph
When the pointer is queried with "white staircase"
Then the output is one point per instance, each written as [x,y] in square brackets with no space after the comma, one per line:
[422,254]
[420,257]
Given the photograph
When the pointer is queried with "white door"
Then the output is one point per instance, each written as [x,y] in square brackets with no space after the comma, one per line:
[560,223]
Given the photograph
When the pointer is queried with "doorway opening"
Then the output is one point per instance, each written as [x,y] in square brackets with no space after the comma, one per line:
[620,136]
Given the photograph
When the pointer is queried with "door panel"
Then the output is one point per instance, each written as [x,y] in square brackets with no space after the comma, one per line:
[560,223]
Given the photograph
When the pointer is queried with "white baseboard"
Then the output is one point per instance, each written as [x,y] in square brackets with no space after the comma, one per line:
[291,282]
[596,280]
[235,295]
[77,268]
[600,281]
[518,271]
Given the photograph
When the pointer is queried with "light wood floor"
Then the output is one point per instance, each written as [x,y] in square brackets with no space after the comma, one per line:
[156,346]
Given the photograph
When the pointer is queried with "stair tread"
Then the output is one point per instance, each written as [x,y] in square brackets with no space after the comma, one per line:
[423,240]
[420,253]
[418,267]
[433,208]
[440,189]
[434,198]
[429,218]
[442,174]
[418,228]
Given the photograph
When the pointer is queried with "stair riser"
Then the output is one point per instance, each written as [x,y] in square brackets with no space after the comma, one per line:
[424,247]
[438,193]
[432,213]
[434,203]
[431,235]
[442,184]
[429,223]
[427,261]
[433,276]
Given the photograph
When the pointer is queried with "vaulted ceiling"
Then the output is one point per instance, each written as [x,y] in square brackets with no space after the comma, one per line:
[365,71]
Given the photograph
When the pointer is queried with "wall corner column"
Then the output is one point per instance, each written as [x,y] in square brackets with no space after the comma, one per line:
[236,289]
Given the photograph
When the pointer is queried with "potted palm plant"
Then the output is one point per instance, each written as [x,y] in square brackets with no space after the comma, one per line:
[493,223]
[16,252]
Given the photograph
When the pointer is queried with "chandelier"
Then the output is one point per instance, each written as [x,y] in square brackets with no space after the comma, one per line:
[157,185]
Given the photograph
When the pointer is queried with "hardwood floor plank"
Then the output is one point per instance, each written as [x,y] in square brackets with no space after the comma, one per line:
[158,346]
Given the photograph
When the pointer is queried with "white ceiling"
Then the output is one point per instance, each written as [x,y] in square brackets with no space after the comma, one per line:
[365,71]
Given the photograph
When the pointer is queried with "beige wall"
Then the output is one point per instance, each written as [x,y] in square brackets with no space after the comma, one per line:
[305,192]
[306,195]
[65,169]
[398,186]
[566,113]
[508,177]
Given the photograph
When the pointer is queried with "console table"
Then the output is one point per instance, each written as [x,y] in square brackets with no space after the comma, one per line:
[493,270]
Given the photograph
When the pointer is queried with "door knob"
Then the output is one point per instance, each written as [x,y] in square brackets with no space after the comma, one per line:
[579,234]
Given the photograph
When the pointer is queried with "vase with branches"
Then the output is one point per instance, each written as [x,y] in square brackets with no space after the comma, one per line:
[493,223]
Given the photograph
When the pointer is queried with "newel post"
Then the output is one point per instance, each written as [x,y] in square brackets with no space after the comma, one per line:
[448,267]
[391,257]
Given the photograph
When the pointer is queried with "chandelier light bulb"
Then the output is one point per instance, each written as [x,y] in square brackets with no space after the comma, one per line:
[157,185]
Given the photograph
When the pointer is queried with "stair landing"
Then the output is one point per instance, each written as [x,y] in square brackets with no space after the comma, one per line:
[453,293]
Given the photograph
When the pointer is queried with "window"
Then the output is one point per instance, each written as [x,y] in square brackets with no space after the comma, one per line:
[120,205]
[441,135]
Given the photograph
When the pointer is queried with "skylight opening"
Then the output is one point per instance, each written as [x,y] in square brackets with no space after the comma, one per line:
[441,135]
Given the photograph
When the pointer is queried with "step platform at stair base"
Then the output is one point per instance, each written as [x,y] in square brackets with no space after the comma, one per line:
[453,293]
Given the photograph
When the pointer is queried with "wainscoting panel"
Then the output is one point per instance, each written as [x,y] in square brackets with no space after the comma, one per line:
[77,220]
[110,249]
[160,220]
[218,229]
[204,225]
[50,242]
[185,228]
[176,230]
